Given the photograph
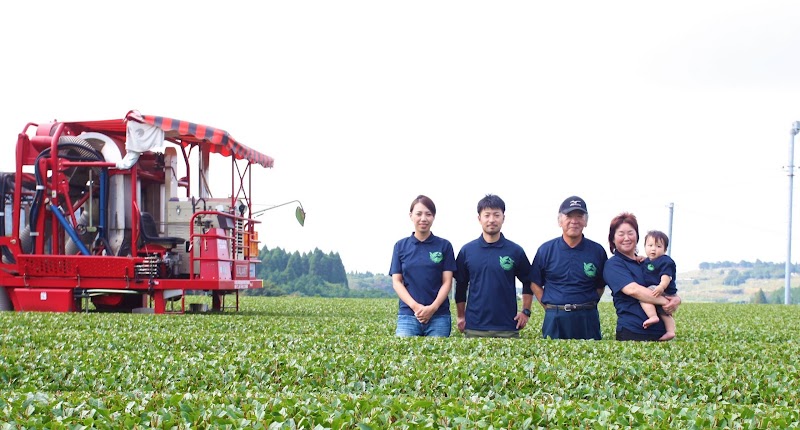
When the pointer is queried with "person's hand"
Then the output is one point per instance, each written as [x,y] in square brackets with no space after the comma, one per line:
[656,291]
[640,258]
[424,313]
[521,319]
[672,304]
[461,323]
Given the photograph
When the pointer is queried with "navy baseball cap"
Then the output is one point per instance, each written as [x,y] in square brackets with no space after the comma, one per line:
[573,203]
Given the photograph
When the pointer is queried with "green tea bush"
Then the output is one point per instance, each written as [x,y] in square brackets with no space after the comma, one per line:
[335,363]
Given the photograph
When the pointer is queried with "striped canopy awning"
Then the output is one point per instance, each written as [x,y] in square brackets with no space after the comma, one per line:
[220,141]
[215,140]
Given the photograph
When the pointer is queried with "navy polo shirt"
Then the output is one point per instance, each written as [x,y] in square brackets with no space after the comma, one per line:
[422,264]
[488,270]
[569,275]
[619,272]
[653,270]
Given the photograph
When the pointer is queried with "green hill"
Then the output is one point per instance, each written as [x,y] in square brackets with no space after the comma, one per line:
[709,285]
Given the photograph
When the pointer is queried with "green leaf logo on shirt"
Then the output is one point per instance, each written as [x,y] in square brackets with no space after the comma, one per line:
[590,269]
[507,263]
[650,267]
[436,257]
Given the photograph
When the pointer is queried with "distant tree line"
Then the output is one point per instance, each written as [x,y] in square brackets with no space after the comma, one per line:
[740,272]
[776,297]
[315,274]
[323,275]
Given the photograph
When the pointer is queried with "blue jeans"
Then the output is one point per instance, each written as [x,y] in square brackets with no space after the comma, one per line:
[438,326]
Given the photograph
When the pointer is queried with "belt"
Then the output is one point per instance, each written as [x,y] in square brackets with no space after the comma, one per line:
[572,307]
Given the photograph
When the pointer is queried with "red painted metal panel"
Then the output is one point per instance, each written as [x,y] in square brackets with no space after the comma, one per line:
[73,266]
[43,300]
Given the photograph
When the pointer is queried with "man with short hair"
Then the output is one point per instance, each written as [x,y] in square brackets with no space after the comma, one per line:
[486,268]
[567,277]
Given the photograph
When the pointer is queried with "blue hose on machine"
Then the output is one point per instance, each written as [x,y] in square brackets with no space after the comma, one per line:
[68,228]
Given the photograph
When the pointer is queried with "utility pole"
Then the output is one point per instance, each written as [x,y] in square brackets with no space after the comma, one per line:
[787,297]
[669,228]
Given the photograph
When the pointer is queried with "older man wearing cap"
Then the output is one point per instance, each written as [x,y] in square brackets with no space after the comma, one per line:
[567,277]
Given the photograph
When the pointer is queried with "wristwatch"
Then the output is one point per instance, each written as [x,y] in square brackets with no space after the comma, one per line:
[527,312]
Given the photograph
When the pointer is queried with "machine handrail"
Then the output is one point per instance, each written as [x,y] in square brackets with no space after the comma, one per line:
[194,222]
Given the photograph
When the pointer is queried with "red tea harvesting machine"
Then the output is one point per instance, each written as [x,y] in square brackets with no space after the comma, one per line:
[99,216]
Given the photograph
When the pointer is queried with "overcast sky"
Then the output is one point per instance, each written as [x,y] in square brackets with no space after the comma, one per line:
[365,104]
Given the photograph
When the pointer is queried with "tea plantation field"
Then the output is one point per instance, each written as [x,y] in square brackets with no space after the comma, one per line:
[335,363]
